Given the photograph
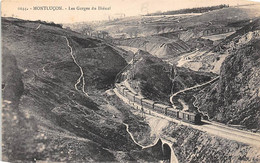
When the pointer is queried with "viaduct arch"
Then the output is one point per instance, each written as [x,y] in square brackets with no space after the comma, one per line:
[167,150]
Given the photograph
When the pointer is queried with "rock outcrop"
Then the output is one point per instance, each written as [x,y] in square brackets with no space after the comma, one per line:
[156,79]
[235,99]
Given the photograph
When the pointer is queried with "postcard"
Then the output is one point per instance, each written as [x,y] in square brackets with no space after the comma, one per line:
[130,81]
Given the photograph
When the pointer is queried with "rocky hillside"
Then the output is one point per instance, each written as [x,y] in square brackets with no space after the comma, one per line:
[209,55]
[193,40]
[157,80]
[184,26]
[234,99]
[249,32]
[46,114]
[157,45]
[197,146]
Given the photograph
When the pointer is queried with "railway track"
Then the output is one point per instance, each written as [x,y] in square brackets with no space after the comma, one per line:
[252,139]
[220,130]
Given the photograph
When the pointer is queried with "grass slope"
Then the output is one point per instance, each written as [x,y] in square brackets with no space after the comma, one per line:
[44,116]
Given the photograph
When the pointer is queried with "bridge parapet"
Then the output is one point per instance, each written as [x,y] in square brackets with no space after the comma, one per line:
[168,140]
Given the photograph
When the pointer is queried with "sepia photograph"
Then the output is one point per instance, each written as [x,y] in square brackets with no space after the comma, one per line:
[169,81]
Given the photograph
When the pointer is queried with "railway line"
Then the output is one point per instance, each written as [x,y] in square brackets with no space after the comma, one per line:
[210,127]
[215,129]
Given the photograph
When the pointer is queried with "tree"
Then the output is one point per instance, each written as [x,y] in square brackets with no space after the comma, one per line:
[87,31]
[104,34]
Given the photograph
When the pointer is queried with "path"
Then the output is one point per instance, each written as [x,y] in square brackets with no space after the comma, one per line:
[81,70]
[173,156]
[38,27]
[190,88]
[132,137]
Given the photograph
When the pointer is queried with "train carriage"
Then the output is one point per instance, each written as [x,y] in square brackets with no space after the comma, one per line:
[117,85]
[148,103]
[125,91]
[160,108]
[181,115]
[125,94]
[186,116]
[166,110]
[130,96]
[197,118]
[121,89]
[172,112]
[189,117]
[192,117]
[138,100]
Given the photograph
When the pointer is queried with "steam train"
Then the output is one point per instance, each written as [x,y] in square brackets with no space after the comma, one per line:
[157,107]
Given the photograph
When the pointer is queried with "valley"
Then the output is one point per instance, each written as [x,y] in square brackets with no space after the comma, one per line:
[89,92]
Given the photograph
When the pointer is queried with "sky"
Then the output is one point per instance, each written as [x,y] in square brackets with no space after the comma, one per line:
[94,8]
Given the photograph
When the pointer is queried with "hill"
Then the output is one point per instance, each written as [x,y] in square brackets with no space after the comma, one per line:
[47,74]
[231,17]
[157,80]
[190,10]
[172,37]
[156,45]
[234,99]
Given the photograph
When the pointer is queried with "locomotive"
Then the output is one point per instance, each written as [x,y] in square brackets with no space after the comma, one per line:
[158,107]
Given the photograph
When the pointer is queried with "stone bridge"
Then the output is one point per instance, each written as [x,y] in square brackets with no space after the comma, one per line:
[167,149]
[164,146]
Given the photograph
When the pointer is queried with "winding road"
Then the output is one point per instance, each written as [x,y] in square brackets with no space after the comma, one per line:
[212,128]
[132,137]
[173,156]
[81,70]
[198,109]
[190,88]
[221,129]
